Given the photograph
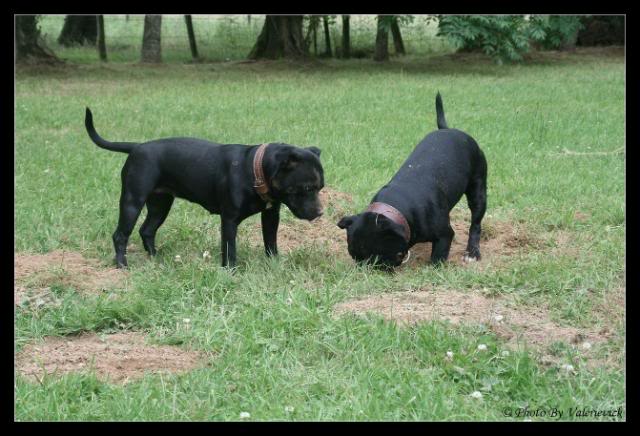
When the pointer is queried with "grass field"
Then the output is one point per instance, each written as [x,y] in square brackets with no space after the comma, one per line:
[551,130]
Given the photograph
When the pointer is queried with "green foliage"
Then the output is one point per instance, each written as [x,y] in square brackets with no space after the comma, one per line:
[507,37]
[501,37]
[552,31]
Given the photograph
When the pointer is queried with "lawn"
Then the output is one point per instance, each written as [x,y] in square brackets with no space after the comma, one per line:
[552,130]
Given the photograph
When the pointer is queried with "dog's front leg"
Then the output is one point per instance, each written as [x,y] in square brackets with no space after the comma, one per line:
[229,230]
[270,219]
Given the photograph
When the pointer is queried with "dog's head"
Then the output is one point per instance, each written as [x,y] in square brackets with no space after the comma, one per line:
[373,238]
[297,180]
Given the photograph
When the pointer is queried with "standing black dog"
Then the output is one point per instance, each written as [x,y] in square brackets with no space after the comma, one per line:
[414,206]
[233,180]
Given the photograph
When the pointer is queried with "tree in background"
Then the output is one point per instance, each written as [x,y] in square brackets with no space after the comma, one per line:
[327,36]
[281,36]
[382,38]
[102,45]
[29,44]
[151,44]
[78,30]
[601,30]
[397,36]
[346,37]
[192,36]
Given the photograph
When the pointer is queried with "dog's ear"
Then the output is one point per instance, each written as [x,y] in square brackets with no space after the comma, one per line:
[346,221]
[386,226]
[288,158]
[314,150]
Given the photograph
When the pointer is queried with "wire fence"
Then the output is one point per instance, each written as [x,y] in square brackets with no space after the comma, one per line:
[230,37]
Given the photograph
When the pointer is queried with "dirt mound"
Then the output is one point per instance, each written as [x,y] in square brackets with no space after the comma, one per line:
[498,238]
[35,274]
[322,232]
[119,357]
[532,324]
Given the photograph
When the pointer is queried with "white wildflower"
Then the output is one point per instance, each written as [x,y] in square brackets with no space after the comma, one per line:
[505,353]
[206,255]
[289,409]
[482,347]
[476,394]
[586,345]
[449,355]
[567,367]
[177,258]
[245,415]
[498,318]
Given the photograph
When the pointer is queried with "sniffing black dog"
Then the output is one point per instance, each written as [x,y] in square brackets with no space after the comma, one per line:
[414,206]
[232,180]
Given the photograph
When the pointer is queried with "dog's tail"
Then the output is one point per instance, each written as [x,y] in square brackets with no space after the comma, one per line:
[442,122]
[123,147]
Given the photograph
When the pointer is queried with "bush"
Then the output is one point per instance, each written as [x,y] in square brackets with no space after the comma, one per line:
[508,37]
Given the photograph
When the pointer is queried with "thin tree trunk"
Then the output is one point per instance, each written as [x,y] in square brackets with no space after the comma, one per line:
[192,36]
[249,20]
[151,43]
[397,37]
[382,42]
[102,46]
[346,37]
[327,37]
[315,39]
[281,36]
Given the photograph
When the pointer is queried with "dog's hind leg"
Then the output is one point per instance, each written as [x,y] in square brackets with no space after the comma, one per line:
[130,207]
[137,184]
[158,207]
[477,200]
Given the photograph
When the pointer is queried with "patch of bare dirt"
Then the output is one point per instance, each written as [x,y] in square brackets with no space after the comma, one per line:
[119,357]
[499,239]
[531,324]
[35,274]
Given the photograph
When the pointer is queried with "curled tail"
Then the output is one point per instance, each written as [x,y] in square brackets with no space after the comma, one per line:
[123,147]
[442,122]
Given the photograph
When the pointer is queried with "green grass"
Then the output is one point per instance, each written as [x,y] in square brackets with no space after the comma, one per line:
[366,118]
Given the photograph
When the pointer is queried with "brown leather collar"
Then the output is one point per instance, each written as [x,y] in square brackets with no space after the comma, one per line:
[259,179]
[393,214]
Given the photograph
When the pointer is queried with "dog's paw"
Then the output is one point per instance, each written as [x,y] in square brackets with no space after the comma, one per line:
[468,258]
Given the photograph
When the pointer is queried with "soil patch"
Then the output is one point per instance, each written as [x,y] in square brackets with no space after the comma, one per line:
[35,274]
[119,357]
[498,239]
[513,323]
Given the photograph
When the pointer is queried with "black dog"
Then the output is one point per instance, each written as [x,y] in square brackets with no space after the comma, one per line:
[233,180]
[414,206]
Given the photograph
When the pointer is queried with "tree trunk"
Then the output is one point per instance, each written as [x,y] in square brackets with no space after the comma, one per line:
[346,37]
[79,29]
[28,41]
[281,36]
[382,42]
[397,37]
[327,37]
[192,36]
[102,46]
[151,44]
